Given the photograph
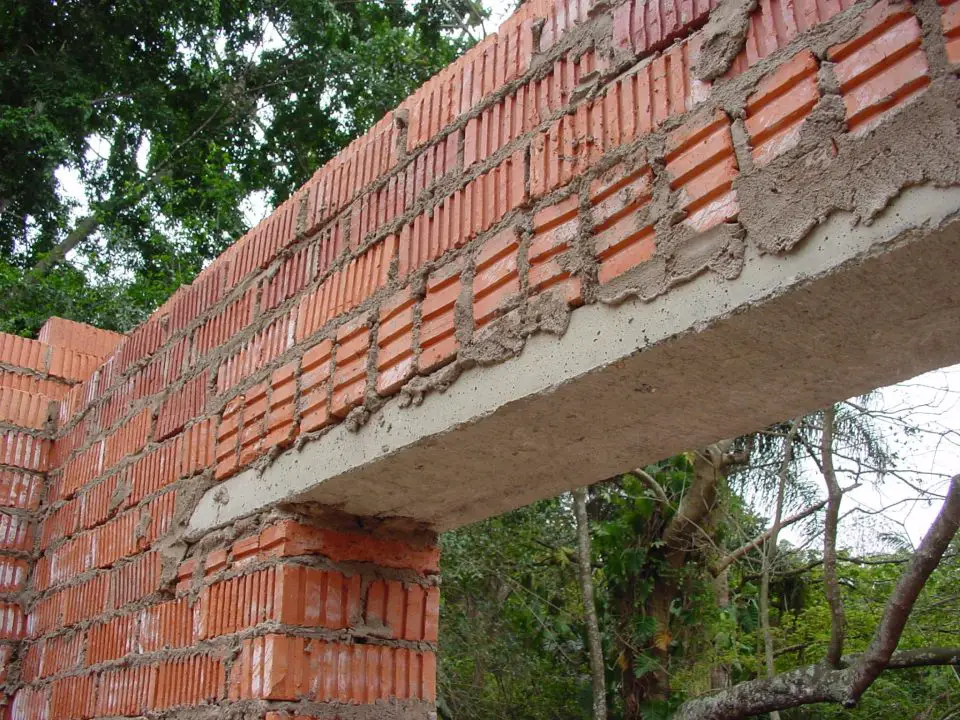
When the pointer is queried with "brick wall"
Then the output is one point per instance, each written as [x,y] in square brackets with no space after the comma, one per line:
[574,157]
[34,375]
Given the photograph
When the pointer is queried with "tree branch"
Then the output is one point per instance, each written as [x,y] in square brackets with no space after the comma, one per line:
[699,500]
[820,683]
[651,483]
[806,685]
[914,577]
[728,560]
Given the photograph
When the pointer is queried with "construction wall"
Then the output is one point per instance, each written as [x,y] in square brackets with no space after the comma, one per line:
[584,154]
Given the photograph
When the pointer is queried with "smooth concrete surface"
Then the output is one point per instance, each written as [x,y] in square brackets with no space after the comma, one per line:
[852,308]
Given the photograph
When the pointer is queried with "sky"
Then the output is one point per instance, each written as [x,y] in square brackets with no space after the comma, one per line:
[930,403]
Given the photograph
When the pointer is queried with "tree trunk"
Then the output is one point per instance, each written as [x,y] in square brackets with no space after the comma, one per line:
[770,555]
[720,673]
[585,569]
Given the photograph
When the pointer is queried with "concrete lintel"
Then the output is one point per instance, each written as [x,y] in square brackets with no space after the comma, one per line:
[853,307]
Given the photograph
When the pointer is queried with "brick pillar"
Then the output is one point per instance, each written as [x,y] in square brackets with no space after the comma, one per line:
[296,614]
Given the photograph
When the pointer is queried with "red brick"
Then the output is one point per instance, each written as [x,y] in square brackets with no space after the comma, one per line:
[289,538]
[112,639]
[13,574]
[701,163]
[112,541]
[197,448]
[623,238]
[175,360]
[101,501]
[218,329]
[395,357]
[128,691]
[53,389]
[166,625]
[32,704]
[24,353]
[881,68]
[237,604]
[496,277]
[182,406]
[192,680]
[431,235]
[554,229]
[60,523]
[28,410]
[257,353]
[950,21]
[72,365]
[253,427]
[15,533]
[82,468]
[23,451]
[350,375]
[19,489]
[295,667]
[156,517]
[86,600]
[155,470]
[128,438]
[438,342]
[402,612]
[13,624]
[6,653]
[281,416]
[135,580]
[782,101]
[215,562]
[315,387]
[776,22]
[62,653]
[292,275]
[185,574]
[73,698]
[228,439]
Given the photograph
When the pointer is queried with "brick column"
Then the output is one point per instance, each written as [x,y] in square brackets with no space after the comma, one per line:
[292,615]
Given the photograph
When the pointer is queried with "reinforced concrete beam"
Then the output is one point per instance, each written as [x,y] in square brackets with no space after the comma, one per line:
[854,307]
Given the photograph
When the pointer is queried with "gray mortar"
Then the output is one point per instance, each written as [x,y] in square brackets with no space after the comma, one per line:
[725,35]
[784,200]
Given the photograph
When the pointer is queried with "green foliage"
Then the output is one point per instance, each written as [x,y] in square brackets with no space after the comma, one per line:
[511,643]
[512,622]
[172,114]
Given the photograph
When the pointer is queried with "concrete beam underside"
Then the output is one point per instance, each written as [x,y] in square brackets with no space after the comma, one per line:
[854,307]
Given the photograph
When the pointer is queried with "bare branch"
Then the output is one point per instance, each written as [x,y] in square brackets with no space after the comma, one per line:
[728,560]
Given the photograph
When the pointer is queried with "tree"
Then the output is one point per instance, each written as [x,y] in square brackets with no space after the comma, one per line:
[709,571]
[585,573]
[846,680]
[172,115]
